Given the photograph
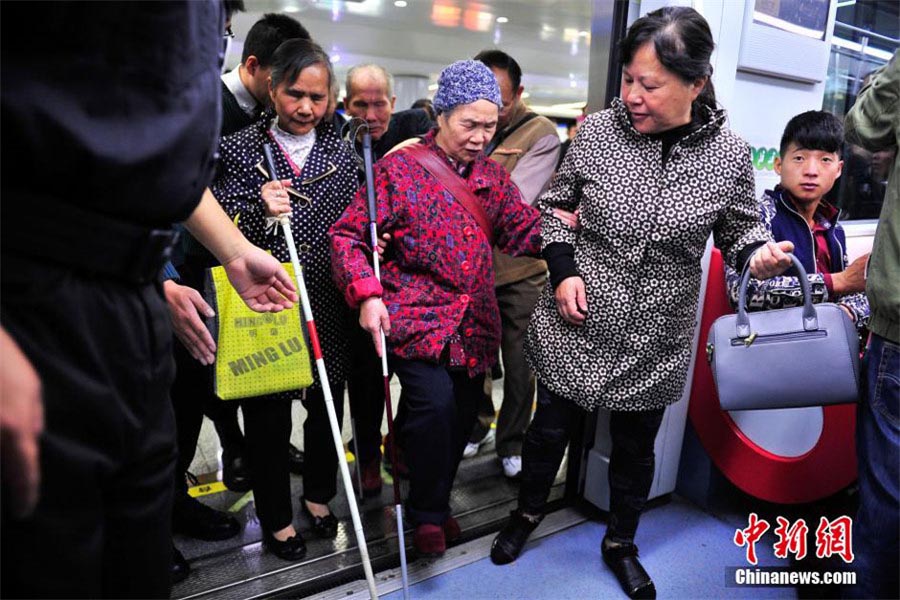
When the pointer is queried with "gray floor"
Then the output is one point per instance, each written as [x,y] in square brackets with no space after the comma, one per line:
[240,568]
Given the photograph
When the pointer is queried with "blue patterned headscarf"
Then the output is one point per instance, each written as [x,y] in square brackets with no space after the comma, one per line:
[465,82]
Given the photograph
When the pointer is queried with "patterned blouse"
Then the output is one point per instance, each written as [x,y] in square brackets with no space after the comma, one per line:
[644,223]
[437,277]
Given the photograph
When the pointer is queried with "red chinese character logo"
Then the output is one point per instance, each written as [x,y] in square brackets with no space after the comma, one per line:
[791,538]
[749,536]
[835,537]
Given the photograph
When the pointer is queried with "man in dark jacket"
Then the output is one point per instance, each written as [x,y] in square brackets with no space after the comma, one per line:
[245,89]
[370,96]
[82,302]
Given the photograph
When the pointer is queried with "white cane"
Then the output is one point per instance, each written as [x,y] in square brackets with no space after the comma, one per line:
[285,223]
[385,373]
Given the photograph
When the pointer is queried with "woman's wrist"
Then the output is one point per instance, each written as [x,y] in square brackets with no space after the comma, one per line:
[560,257]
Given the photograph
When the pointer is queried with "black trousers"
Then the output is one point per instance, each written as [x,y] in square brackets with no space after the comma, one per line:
[321,461]
[193,396]
[438,410]
[267,433]
[631,463]
[365,391]
[103,350]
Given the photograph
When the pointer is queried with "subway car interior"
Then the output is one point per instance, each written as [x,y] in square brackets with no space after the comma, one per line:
[713,468]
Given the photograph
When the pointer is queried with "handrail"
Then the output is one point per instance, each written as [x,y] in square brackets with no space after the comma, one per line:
[866,32]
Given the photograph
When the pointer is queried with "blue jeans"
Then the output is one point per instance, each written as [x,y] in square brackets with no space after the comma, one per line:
[875,534]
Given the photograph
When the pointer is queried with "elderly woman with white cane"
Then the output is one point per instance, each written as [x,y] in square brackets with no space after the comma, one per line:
[315,179]
[443,203]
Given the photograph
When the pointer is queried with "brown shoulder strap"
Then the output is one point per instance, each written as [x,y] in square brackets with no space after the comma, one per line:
[454,184]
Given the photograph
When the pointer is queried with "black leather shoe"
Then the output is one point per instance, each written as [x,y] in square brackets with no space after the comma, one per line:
[324,527]
[293,548]
[180,567]
[295,459]
[235,472]
[622,559]
[509,542]
[194,519]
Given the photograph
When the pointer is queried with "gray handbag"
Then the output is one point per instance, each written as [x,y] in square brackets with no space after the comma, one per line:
[785,358]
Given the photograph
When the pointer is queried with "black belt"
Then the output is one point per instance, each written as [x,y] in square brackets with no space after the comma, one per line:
[86,241]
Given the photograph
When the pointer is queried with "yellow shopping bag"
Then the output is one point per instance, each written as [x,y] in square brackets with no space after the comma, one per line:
[258,353]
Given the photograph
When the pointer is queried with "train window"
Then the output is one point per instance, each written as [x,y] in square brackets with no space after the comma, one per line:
[866,35]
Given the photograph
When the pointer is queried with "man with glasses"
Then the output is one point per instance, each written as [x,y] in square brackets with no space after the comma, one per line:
[110,125]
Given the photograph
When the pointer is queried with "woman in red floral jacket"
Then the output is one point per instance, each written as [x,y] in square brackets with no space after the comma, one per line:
[436,299]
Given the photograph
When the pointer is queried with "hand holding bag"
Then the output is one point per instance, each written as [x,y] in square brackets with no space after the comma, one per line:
[786,358]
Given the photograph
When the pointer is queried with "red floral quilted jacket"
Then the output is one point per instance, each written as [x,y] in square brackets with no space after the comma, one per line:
[437,277]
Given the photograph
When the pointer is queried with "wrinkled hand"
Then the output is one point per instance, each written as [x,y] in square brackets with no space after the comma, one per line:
[276,198]
[21,423]
[852,279]
[185,307]
[571,300]
[260,280]
[373,317]
[849,312]
[568,218]
[383,243]
[771,260]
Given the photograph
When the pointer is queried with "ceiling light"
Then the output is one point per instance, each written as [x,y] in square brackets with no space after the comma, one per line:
[445,15]
[400,3]
[291,8]
[477,20]
[502,20]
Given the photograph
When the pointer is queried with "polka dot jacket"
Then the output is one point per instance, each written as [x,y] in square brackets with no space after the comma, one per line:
[644,231]
[324,188]
[438,276]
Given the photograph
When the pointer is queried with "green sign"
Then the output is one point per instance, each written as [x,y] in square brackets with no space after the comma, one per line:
[763,158]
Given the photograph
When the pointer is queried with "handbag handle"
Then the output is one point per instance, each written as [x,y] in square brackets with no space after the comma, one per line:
[810,320]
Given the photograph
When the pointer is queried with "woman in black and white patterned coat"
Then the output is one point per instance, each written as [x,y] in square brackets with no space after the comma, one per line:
[317,180]
[652,177]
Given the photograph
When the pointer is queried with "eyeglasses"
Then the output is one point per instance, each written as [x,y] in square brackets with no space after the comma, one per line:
[228,32]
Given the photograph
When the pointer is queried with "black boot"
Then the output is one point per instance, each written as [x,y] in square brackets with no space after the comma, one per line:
[509,542]
[180,567]
[194,519]
[235,472]
[622,559]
